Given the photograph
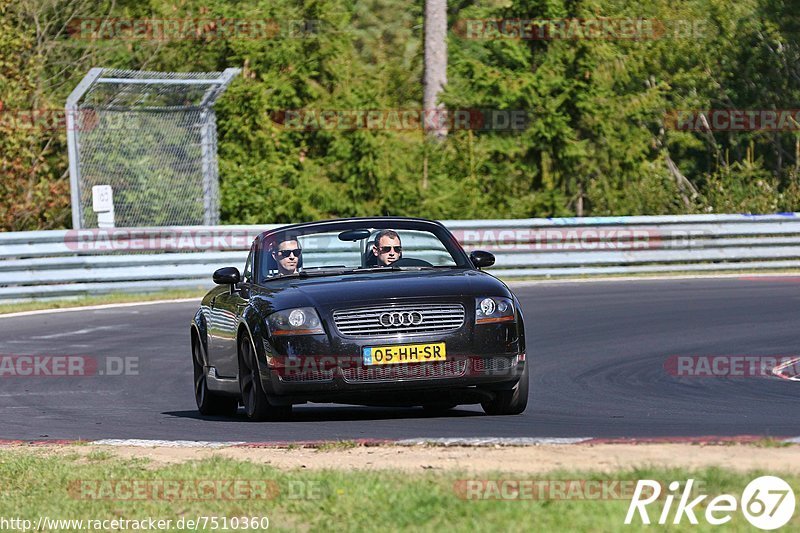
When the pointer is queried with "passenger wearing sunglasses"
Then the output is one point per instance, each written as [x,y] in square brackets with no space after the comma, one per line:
[387,247]
[287,256]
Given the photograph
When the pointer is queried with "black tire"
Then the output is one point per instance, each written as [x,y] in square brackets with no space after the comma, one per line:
[254,399]
[208,403]
[509,402]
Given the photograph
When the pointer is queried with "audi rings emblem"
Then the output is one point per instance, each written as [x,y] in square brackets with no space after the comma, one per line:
[401,318]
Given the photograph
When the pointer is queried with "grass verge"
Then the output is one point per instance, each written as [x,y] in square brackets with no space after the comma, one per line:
[100,299]
[38,483]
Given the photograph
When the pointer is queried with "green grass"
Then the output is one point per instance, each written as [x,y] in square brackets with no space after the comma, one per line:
[36,483]
[769,442]
[100,299]
[337,445]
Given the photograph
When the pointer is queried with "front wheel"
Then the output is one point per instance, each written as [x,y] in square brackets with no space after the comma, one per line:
[208,403]
[509,402]
[254,399]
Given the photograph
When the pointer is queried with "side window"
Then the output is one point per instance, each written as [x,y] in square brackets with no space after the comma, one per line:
[247,276]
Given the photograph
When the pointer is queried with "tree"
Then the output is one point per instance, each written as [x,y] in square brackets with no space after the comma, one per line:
[435,66]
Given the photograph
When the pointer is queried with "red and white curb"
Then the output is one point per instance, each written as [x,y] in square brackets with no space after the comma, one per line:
[434,442]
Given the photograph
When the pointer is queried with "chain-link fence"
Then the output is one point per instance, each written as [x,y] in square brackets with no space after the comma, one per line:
[151,137]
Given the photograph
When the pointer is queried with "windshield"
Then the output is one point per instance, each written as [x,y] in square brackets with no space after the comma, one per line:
[357,248]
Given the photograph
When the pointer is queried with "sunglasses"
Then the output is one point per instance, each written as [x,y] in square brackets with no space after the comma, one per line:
[286,253]
[387,249]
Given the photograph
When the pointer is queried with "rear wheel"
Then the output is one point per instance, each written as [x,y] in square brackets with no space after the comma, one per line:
[254,399]
[208,402]
[509,402]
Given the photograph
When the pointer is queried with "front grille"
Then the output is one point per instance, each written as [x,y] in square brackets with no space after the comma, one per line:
[493,364]
[437,370]
[366,321]
[306,375]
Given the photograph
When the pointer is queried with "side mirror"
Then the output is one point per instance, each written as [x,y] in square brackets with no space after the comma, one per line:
[481,259]
[227,276]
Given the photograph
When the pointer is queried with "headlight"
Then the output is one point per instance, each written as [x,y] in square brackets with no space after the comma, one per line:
[493,309]
[301,321]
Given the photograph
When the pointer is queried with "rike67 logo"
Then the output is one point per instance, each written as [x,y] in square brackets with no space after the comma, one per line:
[767,503]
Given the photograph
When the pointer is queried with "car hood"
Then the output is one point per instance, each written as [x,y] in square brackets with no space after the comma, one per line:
[354,289]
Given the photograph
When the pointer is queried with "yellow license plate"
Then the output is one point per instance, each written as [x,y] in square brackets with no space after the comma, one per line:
[404,353]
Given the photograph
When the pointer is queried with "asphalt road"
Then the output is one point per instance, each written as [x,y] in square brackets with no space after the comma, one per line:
[597,350]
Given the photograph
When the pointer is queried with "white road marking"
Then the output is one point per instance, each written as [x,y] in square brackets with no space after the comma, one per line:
[777,371]
[76,332]
[469,442]
[472,442]
[492,441]
[58,393]
[144,443]
[97,307]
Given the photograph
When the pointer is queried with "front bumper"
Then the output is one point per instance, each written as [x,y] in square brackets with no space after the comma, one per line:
[337,380]
[491,356]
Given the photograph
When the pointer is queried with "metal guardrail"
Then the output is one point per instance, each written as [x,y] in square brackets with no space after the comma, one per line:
[74,262]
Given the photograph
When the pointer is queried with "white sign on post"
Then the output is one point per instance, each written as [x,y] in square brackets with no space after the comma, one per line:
[102,198]
[103,205]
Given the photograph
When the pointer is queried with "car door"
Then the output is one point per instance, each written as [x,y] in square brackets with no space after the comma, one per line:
[227,308]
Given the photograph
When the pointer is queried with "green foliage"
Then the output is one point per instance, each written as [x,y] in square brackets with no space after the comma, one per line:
[598,139]
[67,483]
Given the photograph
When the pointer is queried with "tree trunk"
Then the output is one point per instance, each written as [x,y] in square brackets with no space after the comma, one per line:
[435,67]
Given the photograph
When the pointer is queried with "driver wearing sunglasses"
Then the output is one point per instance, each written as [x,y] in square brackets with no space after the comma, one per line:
[287,256]
[387,247]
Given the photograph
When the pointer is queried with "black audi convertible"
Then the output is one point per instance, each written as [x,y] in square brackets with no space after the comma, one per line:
[383,311]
